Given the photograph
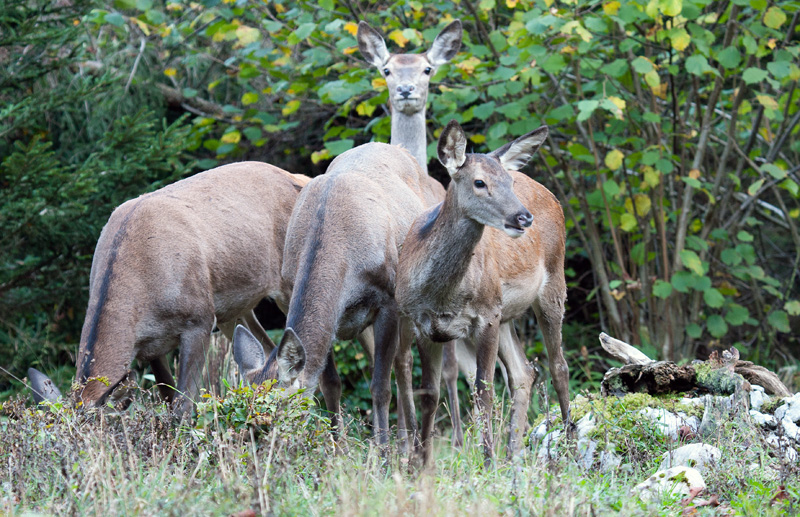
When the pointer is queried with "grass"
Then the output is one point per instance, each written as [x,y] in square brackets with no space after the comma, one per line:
[260,451]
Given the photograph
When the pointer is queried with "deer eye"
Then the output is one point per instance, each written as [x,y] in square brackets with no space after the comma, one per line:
[428,70]
[386,71]
[480,184]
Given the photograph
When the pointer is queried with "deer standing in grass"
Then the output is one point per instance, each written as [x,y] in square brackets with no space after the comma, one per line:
[407,79]
[172,264]
[457,279]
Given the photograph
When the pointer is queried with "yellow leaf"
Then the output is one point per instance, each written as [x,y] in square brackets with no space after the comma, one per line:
[767,101]
[620,104]
[247,35]
[771,43]
[231,138]
[290,107]
[576,27]
[611,8]
[568,49]
[617,294]
[318,156]
[170,72]
[279,8]
[694,174]
[142,26]
[511,3]
[794,213]
[397,37]
[651,78]
[548,3]
[642,203]
[651,176]
[468,65]
[614,159]
[351,27]
[379,83]
[477,139]
[249,98]
[365,109]
[218,36]
[680,39]
[350,50]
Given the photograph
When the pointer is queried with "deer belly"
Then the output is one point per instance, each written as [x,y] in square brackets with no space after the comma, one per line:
[443,327]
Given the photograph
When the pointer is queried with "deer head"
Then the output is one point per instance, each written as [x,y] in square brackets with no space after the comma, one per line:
[484,190]
[407,75]
[285,363]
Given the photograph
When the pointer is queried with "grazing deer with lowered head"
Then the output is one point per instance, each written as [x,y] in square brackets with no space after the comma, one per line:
[458,279]
[407,78]
[340,259]
[172,264]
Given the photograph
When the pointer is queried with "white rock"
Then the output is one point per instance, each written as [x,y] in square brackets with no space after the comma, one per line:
[585,426]
[676,482]
[790,429]
[609,460]
[696,455]
[586,450]
[694,402]
[539,431]
[790,410]
[549,442]
[757,397]
[666,422]
[763,420]
[783,444]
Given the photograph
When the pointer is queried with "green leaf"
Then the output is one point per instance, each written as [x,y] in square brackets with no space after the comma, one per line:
[554,64]
[698,65]
[682,281]
[774,17]
[754,75]
[731,257]
[713,298]
[779,320]
[694,330]
[614,159]
[586,108]
[627,222]
[716,326]
[616,68]
[642,65]
[115,19]
[662,289]
[692,262]
[755,186]
[249,98]
[729,57]
[337,147]
[744,236]
[774,171]
[736,314]
[484,111]
[792,307]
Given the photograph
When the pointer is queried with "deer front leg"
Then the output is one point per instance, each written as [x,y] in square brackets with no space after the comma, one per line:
[331,386]
[484,386]
[430,355]
[521,376]
[450,374]
[406,412]
[193,347]
[164,379]
[386,339]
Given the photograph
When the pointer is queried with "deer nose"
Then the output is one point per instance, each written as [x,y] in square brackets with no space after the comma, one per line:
[405,90]
[525,219]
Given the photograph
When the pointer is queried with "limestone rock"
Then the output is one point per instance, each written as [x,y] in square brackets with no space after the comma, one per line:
[763,420]
[790,410]
[609,460]
[586,450]
[695,455]
[676,482]
[757,397]
[668,423]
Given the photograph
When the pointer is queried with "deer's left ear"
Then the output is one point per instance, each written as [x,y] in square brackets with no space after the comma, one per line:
[514,155]
[446,44]
[248,352]
[371,45]
[452,147]
[291,357]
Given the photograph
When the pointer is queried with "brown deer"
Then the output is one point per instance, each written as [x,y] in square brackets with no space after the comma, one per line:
[172,264]
[340,259]
[407,79]
[457,279]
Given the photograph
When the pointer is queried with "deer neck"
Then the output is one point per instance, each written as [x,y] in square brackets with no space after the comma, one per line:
[409,132]
[450,248]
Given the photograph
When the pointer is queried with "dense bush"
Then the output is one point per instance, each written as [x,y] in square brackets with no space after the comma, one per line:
[674,137]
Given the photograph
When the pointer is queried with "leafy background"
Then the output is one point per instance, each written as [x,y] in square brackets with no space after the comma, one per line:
[674,147]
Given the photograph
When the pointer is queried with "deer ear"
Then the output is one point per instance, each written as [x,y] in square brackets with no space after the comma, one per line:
[514,155]
[291,357]
[248,352]
[371,45]
[452,147]
[446,44]
[43,388]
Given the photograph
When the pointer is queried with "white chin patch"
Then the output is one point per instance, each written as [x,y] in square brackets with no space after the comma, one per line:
[513,232]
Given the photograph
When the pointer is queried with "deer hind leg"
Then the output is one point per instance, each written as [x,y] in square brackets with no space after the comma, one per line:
[194,344]
[521,376]
[430,355]
[549,310]
[488,342]
[386,342]
[450,375]
[406,412]
[164,379]
[331,386]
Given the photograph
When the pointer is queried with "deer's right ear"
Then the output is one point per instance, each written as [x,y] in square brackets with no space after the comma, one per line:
[291,357]
[247,352]
[452,148]
[371,45]
[43,388]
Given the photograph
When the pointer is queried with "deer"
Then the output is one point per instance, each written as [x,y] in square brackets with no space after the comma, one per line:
[340,261]
[407,79]
[458,279]
[171,265]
